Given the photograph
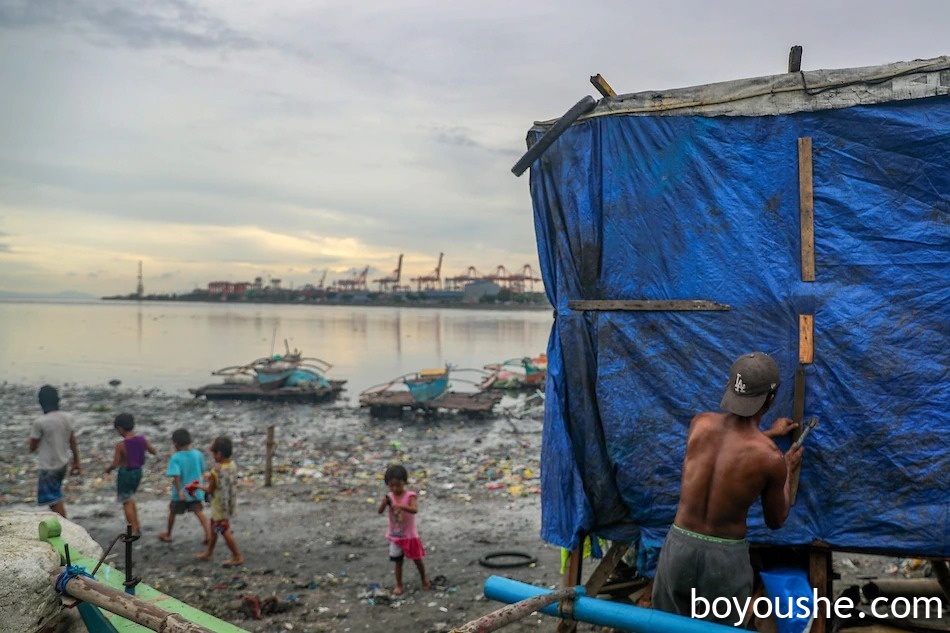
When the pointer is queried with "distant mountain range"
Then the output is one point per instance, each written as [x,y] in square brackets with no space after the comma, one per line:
[65,294]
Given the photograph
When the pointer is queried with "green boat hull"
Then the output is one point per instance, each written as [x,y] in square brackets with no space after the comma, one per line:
[106,622]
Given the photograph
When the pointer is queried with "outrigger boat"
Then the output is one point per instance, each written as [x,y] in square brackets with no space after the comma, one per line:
[429,390]
[113,601]
[519,373]
[291,377]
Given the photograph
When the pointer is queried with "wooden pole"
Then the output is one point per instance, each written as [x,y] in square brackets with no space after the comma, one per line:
[820,576]
[129,607]
[514,612]
[269,456]
[571,578]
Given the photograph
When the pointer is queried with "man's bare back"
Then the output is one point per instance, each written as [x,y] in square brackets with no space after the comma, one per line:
[729,463]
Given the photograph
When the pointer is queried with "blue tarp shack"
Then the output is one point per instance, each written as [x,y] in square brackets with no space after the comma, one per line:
[806,215]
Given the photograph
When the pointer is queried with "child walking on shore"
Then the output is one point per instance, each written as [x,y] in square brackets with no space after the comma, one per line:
[128,459]
[404,541]
[221,484]
[186,465]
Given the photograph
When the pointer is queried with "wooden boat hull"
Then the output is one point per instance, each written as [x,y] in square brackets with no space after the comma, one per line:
[303,393]
[388,404]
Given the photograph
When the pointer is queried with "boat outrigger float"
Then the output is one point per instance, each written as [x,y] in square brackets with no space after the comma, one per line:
[291,377]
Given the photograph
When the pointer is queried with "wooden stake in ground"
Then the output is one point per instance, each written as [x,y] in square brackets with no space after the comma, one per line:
[269,455]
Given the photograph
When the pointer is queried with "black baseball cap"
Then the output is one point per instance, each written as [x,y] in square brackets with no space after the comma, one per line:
[751,379]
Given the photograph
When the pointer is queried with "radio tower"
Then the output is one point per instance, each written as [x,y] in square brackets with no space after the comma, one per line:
[139,288]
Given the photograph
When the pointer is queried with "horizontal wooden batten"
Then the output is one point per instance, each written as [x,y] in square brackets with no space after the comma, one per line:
[645,305]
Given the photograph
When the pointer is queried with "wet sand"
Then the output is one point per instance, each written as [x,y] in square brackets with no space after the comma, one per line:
[313,540]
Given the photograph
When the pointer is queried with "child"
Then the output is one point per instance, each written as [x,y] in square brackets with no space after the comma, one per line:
[221,484]
[403,538]
[129,458]
[185,466]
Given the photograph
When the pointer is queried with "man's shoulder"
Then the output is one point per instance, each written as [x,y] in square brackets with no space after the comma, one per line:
[706,420]
[56,418]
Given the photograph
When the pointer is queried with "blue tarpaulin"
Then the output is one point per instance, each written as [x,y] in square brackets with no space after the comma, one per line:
[697,207]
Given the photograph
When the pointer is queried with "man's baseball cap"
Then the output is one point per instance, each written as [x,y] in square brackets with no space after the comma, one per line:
[751,379]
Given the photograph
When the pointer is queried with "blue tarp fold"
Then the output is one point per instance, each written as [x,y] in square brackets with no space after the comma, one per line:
[693,207]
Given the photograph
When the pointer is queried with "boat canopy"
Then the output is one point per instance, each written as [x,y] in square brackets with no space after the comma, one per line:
[725,217]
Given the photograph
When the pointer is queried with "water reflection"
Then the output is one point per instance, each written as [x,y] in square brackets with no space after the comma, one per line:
[174,346]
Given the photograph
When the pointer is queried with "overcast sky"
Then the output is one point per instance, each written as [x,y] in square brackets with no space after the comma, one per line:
[224,140]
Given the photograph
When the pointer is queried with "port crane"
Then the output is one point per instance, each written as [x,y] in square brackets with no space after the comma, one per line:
[526,276]
[470,274]
[500,276]
[391,284]
[433,281]
[356,283]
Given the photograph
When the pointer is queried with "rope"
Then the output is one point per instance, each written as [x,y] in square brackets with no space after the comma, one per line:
[70,572]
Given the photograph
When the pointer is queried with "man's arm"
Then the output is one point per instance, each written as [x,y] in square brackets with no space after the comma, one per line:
[74,447]
[781,426]
[34,444]
[776,496]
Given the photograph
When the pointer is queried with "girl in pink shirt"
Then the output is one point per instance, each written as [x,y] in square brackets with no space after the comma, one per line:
[404,541]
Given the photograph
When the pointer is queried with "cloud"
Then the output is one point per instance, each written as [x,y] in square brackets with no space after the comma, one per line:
[129,24]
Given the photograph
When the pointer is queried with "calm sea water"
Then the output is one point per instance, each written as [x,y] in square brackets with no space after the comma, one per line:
[173,346]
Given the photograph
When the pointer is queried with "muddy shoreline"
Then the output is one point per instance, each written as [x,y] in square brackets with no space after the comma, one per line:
[313,540]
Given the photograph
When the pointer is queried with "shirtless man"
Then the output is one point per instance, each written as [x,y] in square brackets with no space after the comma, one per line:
[729,464]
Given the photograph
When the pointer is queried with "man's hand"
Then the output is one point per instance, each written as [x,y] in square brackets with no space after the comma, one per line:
[793,458]
[76,469]
[781,426]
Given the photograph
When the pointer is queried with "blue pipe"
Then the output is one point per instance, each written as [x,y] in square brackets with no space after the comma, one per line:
[603,612]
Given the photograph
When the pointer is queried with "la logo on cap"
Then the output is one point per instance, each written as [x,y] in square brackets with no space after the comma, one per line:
[739,386]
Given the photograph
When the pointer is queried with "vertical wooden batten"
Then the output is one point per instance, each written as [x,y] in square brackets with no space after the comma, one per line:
[806,202]
[806,339]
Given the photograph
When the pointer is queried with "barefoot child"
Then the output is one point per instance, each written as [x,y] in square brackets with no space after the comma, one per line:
[185,466]
[129,459]
[221,484]
[404,541]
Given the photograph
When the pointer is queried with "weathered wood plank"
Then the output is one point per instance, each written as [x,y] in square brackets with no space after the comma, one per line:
[602,86]
[806,339]
[645,305]
[795,59]
[806,201]
[607,565]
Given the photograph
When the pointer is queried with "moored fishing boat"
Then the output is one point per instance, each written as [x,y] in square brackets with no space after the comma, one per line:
[430,390]
[288,377]
[519,373]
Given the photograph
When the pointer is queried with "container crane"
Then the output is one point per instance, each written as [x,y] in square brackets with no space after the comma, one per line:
[526,276]
[433,281]
[470,274]
[391,284]
[500,276]
[356,283]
